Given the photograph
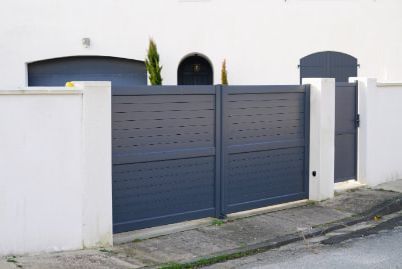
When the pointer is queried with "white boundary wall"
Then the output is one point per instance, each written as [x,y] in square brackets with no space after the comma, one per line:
[380,132]
[55,168]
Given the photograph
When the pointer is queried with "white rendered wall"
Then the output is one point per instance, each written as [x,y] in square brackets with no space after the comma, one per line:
[262,40]
[45,201]
[380,132]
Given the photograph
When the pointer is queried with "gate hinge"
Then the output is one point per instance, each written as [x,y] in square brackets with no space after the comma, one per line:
[357,120]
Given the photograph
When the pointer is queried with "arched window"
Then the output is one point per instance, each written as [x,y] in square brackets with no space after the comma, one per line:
[328,64]
[195,70]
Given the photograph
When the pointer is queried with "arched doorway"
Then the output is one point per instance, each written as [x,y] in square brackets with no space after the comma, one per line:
[195,70]
[328,64]
[123,73]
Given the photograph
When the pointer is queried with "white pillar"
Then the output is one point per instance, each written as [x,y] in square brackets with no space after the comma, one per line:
[97,164]
[322,138]
[367,88]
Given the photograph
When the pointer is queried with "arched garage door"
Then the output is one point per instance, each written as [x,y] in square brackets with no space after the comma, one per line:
[123,73]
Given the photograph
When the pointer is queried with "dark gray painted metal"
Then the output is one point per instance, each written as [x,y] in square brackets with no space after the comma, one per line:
[189,152]
[123,73]
[345,131]
[264,145]
[328,64]
[163,156]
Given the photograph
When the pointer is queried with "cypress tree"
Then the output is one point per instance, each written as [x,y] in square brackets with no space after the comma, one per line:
[152,64]
[224,74]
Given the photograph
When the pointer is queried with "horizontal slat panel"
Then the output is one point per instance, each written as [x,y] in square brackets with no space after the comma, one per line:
[134,157]
[174,106]
[138,116]
[165,90]
[159,132]
[267,145]
[262,100]
[161,99]
[247,89]
[182,121]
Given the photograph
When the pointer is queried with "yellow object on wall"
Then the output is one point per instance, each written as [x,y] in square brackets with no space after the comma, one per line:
[69,84]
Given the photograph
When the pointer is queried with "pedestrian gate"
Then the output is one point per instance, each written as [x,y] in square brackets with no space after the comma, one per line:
[346,123]
[187,152]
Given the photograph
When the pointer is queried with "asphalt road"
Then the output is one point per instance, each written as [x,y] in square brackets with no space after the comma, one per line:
[383,250]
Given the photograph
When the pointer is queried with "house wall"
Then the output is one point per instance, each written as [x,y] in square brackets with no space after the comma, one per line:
[55,143]
[261,40]
[380,132]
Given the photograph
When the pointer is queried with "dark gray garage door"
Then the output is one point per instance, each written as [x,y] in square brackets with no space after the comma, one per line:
[123,73]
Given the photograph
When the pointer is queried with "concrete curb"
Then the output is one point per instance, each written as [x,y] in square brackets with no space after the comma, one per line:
[385,208]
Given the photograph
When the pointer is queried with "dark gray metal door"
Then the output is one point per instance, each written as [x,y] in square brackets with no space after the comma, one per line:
[328,64]
[123,73]
[346,123]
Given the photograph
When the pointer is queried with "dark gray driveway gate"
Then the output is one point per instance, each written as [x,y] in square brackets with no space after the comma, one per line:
[187,152]
[346,123]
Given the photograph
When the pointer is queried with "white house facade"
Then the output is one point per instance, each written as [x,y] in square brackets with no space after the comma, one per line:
[262,41]
[107,154]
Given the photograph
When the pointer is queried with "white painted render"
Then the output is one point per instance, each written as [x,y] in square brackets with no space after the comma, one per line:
[262,40]
[380,132]
[322,138]
[55,169]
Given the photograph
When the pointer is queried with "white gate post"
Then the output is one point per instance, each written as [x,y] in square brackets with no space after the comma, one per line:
[322,138]
[97,227]
[367,89]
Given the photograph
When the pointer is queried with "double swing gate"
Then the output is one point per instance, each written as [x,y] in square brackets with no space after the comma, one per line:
[188,152]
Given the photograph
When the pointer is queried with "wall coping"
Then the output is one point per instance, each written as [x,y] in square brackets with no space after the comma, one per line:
[43,91]
[388,84]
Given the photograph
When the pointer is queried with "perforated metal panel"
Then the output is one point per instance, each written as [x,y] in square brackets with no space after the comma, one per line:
[188,152]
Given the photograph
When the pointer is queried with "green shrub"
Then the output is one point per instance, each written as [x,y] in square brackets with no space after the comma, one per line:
[152,64]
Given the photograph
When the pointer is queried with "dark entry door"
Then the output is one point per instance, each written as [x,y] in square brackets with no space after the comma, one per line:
[346,123]
[194,70]
[328,64]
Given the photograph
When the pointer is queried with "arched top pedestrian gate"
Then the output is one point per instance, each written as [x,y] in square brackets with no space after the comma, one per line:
[328,64]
